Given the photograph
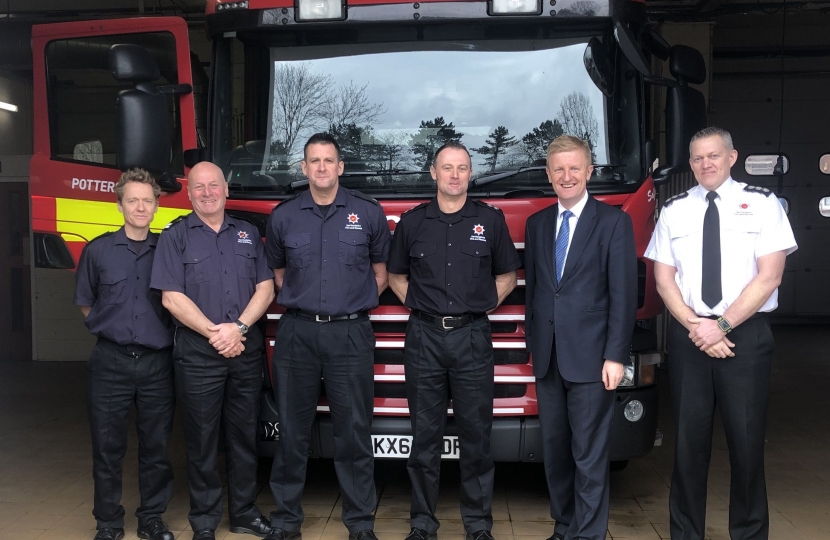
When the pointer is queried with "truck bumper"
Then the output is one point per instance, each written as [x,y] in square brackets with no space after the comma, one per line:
[513,439]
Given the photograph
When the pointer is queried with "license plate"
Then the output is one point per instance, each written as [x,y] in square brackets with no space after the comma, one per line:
[398,446]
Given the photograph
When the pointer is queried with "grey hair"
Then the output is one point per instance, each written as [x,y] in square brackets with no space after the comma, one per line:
[705,133]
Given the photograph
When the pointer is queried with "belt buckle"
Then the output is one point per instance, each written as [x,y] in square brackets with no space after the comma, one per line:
[444,323]
[324,318]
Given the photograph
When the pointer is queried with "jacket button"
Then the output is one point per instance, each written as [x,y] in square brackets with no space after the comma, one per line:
[550,321]
[556,296]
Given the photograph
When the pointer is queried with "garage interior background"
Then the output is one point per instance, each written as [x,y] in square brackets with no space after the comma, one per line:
[768,83]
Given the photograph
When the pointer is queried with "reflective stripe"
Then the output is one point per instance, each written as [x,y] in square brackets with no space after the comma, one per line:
[90,219]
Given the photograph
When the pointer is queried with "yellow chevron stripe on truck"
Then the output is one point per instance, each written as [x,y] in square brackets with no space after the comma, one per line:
[90,219]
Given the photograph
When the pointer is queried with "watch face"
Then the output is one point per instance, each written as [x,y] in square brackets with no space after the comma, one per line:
[724,325]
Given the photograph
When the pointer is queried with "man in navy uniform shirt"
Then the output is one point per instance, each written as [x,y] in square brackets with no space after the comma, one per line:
[452,261]
[130,363]
[328,247]
[214,279]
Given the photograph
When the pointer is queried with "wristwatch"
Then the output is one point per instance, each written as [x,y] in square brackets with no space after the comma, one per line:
[243,328]
[724,325]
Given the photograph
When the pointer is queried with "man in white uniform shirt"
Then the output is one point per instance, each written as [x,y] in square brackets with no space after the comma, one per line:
[719,252]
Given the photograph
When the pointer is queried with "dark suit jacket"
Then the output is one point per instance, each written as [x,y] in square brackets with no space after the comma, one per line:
[593,309]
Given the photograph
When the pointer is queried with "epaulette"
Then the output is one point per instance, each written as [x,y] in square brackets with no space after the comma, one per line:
[757,189]
[178,219]
[415,208]
[282,202]
[487,205]
[361,195]
[675,198]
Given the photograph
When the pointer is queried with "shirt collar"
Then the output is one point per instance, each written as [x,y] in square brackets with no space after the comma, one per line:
[468,210]
[307,201]
[723,190]
[577,208]
[195,221]
[120,237]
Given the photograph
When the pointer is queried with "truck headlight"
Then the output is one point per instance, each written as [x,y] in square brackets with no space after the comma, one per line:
[515,7]
[320,10]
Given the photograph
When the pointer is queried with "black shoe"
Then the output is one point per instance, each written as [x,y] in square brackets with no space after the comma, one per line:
[261,527]
[155,529]
[556,536]
[420,534]
[204,534]
[480,535]
[368,534]
[108,533]
[282,534]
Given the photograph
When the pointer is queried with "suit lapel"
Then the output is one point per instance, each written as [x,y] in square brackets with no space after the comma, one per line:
[548,239]
[584,227]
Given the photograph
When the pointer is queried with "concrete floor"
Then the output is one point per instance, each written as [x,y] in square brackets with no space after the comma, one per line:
[46,485]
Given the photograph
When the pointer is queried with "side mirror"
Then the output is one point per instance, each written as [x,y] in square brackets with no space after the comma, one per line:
[599,66]
[650,155]
[663,174]
[631,50]
[194,156]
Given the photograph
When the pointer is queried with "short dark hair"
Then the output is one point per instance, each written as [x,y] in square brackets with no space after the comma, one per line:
[321,138]
[454,145]
[139,176]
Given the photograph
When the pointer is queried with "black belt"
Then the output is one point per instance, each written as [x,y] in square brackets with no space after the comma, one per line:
[448,322]
[300,314]
[133,349]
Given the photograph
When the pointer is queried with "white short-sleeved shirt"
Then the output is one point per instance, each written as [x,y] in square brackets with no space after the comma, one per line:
[752,224]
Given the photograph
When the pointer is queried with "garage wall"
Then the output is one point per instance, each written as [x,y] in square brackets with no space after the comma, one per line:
[746,98]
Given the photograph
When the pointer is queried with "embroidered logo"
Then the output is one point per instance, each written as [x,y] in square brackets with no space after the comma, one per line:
[244,238]
[744,206]
[478,233]
[352,222]
[743,210]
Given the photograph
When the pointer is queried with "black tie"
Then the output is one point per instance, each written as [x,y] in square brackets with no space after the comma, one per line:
[711,285]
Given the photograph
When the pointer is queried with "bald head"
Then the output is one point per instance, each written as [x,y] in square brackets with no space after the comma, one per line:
[207,191]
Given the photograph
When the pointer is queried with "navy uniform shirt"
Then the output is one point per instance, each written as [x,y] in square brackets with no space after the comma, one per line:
[327,260]
[114,281]
[452,259]
[219,272]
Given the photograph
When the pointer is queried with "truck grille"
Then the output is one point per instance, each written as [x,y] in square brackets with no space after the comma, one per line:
[501,357]
[398,390]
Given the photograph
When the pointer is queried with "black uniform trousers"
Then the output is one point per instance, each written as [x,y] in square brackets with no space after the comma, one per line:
[341,352]
[215,392]
[575,420]
[118,377]
[739,386]
[460,360]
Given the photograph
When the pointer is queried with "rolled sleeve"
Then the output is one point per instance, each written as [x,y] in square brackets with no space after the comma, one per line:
[263,271]
[168,268]
[86,280]
[776,232]
[506,258]
[380,239]
[399,251]
[274,247]
[659,247]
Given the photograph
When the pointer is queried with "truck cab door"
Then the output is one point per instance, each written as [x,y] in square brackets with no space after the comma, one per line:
[74,169]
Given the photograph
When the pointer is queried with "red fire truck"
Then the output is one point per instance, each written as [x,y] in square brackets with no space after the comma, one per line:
[392,81]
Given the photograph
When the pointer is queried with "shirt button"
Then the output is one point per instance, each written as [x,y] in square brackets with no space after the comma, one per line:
[136,316]
[476,252]
[136,297]
[226,271]
[450,303]
[229,292]
[221,253]
[449,244]
[422,254]
[449,264]
[324,301]
[137,277]
[324,239]
[448,284]
[324,281]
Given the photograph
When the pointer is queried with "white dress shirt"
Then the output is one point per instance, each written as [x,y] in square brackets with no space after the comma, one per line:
[752,224]
[576,211]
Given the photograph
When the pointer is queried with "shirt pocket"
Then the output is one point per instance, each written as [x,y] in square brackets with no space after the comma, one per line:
[353,248]
[738,242]
[476,259]
[298,250]
[245,260]
[423,259]
[683,244]
[196,266]
[112,287]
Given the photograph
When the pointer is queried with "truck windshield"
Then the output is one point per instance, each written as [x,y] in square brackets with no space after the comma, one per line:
[391,105]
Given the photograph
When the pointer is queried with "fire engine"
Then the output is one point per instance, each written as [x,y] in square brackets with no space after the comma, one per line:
[392,80]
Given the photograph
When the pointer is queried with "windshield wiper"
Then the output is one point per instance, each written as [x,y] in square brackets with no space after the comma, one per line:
[490,178]
[389,172]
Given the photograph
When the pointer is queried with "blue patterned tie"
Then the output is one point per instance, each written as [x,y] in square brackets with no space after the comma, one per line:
[562,243]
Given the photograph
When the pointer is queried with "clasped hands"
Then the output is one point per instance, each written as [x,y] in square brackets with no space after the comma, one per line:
[709,338]
[226,339]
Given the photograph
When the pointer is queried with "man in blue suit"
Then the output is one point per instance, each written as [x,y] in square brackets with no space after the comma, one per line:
[581,290]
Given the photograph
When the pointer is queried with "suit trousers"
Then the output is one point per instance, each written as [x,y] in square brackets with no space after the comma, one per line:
[341,352]
[219,393]
[576,420]
[739,387]
[461,361]
[119,376]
